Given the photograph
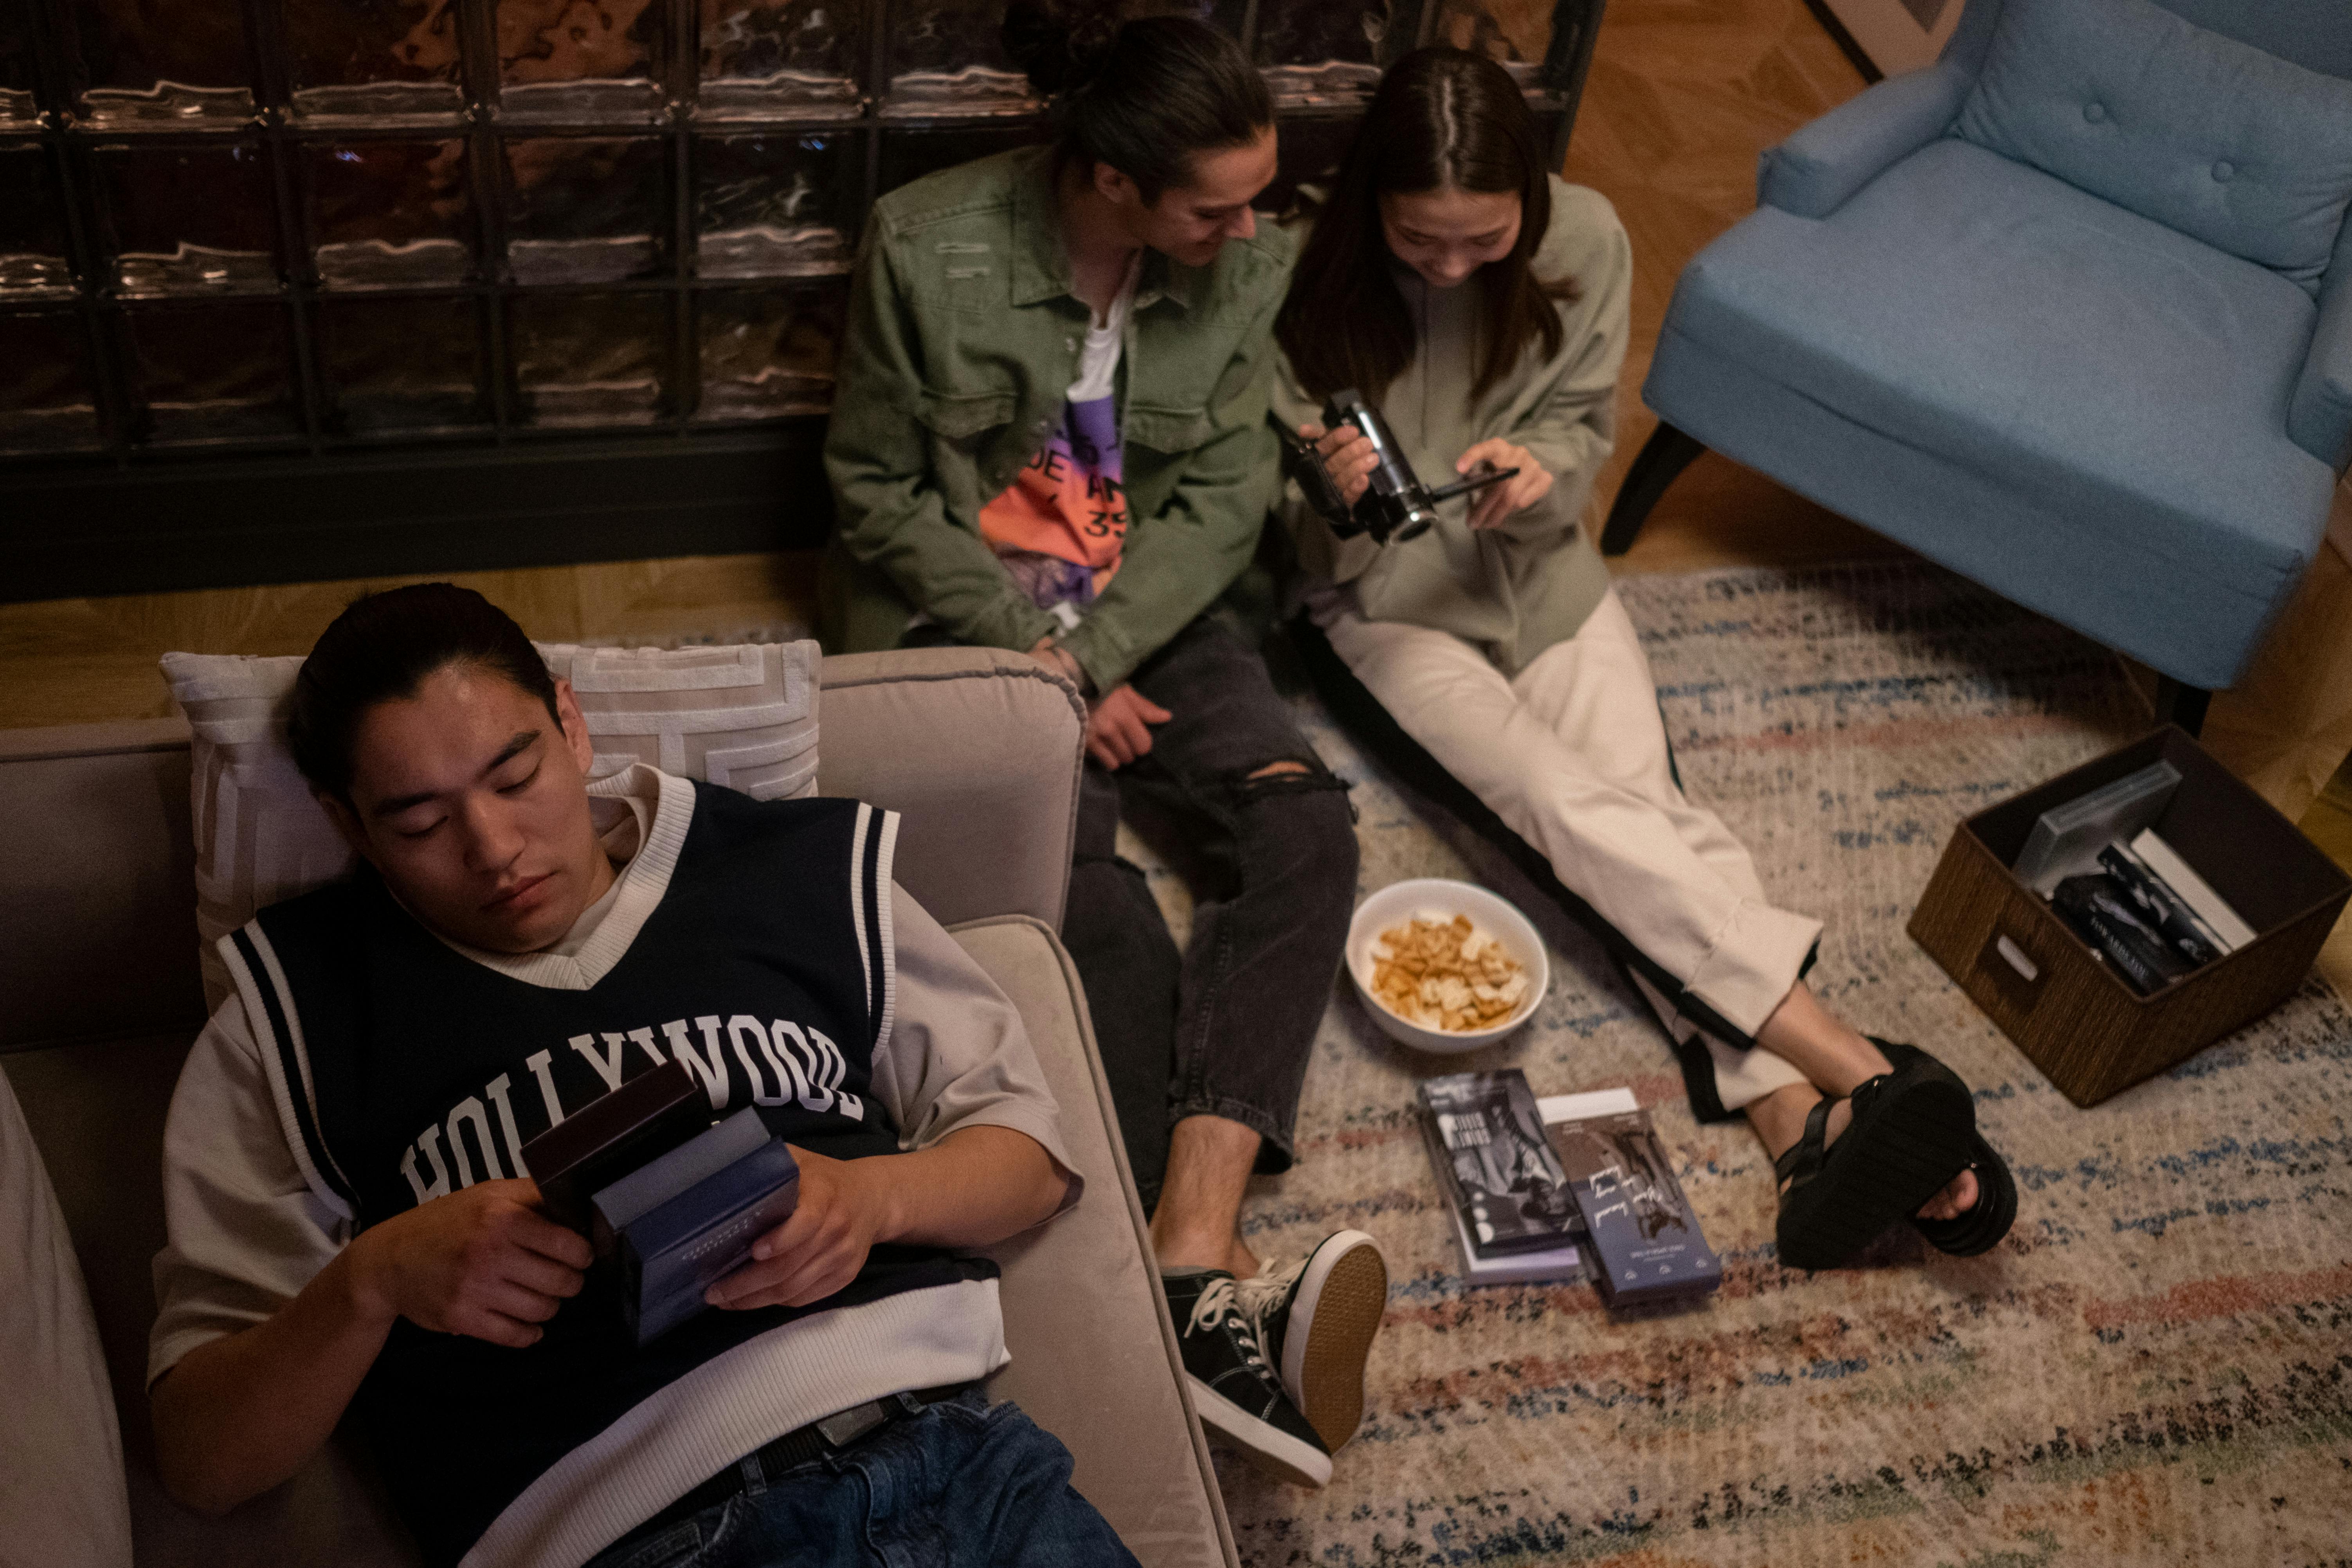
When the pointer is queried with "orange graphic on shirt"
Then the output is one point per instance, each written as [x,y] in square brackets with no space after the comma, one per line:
[1066,504]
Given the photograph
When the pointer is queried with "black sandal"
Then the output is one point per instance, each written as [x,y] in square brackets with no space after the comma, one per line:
[1911,1134]
[1978,1230]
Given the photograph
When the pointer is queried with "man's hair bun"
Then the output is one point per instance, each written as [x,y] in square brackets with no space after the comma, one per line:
[1062,45]
[1144,85]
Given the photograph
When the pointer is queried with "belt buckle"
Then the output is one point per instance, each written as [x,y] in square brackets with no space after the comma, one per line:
[843,1427]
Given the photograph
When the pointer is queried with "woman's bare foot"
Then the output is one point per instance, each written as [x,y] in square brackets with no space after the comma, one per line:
[1780,1120]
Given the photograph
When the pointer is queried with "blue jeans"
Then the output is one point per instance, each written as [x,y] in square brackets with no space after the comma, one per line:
[961,1485]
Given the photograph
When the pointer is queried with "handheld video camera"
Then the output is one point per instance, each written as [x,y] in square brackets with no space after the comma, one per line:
[1395,505]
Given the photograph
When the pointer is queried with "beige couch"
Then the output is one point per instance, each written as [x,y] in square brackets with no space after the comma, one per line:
[978,751]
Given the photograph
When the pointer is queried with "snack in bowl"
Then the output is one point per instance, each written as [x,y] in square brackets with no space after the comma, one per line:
[1447,974]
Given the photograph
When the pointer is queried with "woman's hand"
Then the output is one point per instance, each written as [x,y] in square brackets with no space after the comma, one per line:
[1495,505]
[1348,457]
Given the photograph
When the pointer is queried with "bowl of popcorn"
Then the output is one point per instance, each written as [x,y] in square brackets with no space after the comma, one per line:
[1444,965]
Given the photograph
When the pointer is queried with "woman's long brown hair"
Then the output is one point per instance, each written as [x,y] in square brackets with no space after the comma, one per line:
[1442,118]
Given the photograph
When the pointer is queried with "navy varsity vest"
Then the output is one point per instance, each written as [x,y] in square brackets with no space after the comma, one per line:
[408,1070]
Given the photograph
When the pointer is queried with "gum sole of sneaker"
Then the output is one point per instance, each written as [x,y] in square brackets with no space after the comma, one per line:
[1342,1299]
[1903,1158]
[1269,1445]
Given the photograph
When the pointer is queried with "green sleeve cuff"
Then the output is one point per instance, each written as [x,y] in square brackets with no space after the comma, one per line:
[1100,652]
[1012,623]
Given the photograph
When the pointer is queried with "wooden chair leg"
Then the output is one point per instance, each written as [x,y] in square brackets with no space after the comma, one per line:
[2179,703]
[1664,455]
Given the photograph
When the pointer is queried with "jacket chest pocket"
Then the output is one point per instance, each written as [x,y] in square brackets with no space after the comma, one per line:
[958,418]
[1164,429]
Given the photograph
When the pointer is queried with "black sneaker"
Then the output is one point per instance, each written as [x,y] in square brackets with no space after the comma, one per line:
[1234,1390]
[1317,1319]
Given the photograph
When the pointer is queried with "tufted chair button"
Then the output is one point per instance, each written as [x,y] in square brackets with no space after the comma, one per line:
[2094,112]
[2223,169]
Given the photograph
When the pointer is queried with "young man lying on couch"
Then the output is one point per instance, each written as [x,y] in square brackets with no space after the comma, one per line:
[351,1226]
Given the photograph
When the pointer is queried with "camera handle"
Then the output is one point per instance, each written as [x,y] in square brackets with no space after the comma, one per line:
[1475,482]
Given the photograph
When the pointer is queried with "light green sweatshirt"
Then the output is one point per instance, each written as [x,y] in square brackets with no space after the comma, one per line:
[1516,590]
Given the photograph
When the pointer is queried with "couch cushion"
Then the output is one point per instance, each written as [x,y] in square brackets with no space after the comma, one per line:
[60,1459]
[2244,150]
[1093,1353]
[97,1113]
[743,716]
[977,750]
[95,897]
[2126,376]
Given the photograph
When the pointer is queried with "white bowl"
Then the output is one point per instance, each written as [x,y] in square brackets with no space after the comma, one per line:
[1439,897]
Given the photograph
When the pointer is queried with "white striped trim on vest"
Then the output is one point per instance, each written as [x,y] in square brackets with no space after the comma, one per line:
[872,844]
[285,1061]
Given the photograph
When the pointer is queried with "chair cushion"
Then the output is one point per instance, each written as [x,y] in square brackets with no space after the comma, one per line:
[744,716]
[2115,372]
[2247,152]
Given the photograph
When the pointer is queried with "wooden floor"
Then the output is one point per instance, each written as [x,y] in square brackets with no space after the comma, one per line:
[1682,98]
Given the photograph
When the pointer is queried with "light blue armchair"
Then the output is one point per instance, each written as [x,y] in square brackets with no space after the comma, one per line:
[2069,312]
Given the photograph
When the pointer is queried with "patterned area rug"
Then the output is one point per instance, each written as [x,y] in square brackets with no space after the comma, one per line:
[2155,1367]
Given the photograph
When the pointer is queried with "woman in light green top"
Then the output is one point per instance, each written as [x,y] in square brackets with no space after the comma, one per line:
[1479,303]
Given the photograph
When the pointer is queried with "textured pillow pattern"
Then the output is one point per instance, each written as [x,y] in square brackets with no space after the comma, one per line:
[744,717]
[260,836]
[2247,152]
[740,716]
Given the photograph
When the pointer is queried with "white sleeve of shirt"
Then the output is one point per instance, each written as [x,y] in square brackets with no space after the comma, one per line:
[243,1233]
[959,1055]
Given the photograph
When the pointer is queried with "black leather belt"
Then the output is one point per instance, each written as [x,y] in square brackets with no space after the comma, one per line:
[841,1429]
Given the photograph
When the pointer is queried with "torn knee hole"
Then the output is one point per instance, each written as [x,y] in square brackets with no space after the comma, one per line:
[1289,776]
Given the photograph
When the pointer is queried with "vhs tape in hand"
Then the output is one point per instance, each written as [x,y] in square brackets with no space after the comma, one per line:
[670,1200]
[688,1220]
[605,1140]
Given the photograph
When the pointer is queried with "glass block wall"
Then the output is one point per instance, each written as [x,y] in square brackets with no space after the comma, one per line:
[313,225]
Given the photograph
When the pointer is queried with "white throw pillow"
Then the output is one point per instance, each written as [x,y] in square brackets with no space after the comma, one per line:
[742,716]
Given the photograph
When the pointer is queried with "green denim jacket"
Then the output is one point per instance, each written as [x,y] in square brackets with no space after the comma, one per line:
[962,340]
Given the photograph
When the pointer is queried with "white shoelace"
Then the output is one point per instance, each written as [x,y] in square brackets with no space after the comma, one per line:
[1258,1294]
[1210,1311]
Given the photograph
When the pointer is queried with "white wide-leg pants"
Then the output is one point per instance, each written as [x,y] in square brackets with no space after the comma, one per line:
[1571,753]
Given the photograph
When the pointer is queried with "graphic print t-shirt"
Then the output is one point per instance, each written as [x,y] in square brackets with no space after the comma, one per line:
[1059,526]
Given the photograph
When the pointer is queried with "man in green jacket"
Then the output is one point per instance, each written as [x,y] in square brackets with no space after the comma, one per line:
[1050,435]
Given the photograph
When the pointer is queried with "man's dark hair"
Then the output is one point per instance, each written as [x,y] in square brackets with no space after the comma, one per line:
[381,649]
[1145,94]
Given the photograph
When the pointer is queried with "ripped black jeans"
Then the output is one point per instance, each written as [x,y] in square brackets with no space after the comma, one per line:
[1226,1027]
